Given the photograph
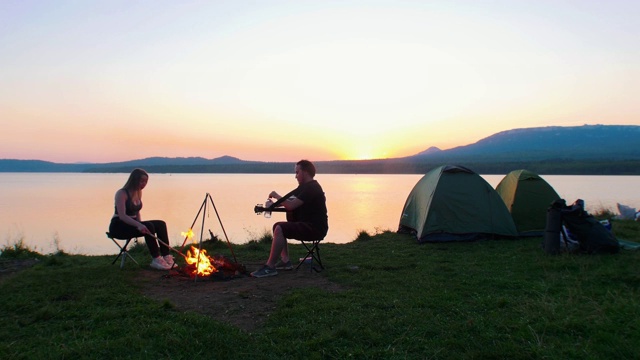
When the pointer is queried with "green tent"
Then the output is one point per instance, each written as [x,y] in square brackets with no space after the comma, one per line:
[527,197]
[453,203]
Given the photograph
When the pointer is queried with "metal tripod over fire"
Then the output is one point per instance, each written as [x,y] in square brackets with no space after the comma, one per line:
[208,201]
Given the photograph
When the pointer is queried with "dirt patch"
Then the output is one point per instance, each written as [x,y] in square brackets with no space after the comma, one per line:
[241,301]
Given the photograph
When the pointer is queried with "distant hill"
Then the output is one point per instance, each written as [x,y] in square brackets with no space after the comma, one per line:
[12,165]
[588,149]
[588,142]
[429,151]
[164,161]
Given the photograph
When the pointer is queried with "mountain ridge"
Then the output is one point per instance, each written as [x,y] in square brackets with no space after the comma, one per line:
[578,142]
[586,149]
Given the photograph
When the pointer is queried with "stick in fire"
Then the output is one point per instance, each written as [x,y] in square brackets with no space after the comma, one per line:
[167,245]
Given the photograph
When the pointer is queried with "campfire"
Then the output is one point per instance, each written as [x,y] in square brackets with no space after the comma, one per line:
[200,264]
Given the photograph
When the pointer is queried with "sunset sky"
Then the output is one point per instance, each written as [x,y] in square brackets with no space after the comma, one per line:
[112,80]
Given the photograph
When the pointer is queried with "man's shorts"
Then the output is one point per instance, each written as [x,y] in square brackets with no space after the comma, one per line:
[299,230]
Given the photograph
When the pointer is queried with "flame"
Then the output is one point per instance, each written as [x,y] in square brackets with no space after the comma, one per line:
[201,260]
[188,234]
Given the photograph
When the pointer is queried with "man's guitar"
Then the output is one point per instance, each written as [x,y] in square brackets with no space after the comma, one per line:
[259,209]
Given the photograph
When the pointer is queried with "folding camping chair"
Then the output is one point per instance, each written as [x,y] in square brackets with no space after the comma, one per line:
[124,251]
[313,251]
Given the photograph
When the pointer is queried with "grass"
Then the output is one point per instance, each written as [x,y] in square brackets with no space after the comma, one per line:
[487,299]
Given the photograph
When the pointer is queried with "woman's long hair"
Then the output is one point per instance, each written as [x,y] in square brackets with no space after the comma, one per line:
[133,183]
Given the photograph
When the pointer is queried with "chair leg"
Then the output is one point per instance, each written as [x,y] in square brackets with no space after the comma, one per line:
[315,255]
[124,252]
[317,252]
[314,252]
[131,257]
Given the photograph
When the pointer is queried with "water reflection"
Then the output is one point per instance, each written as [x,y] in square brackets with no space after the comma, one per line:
[76,208]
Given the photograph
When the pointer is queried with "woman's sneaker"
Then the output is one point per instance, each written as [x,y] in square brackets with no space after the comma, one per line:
[264,272]
[159,264]
[281,265]
[169,260]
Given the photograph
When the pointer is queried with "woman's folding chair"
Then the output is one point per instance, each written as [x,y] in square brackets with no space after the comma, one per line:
[124,252]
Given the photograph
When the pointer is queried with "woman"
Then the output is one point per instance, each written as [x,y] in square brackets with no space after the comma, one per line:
[127,223]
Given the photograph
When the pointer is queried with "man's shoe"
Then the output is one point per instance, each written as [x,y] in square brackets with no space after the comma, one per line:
[281,265]
[264,272]
[159,264]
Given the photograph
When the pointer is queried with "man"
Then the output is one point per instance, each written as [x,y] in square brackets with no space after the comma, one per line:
[306,219]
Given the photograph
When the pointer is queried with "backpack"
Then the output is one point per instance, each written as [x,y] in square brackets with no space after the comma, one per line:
[593,237]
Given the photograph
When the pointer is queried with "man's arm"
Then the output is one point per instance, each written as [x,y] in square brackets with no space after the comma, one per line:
[289,204]
[292,204]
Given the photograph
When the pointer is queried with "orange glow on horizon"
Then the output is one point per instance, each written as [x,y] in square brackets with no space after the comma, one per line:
[356,151]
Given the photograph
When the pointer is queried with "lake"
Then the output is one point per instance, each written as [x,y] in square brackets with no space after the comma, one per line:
[74,209]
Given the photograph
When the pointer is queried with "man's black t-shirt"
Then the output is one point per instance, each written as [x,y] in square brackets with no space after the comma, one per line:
[314,207]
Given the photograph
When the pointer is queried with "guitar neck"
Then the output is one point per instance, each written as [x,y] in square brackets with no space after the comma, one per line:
[263,209]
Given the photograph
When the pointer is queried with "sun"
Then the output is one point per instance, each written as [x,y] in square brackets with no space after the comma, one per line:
[361,156]
[361,144]
[364,152]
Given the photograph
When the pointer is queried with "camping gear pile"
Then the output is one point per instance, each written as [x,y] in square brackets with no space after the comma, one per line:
[571,229]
